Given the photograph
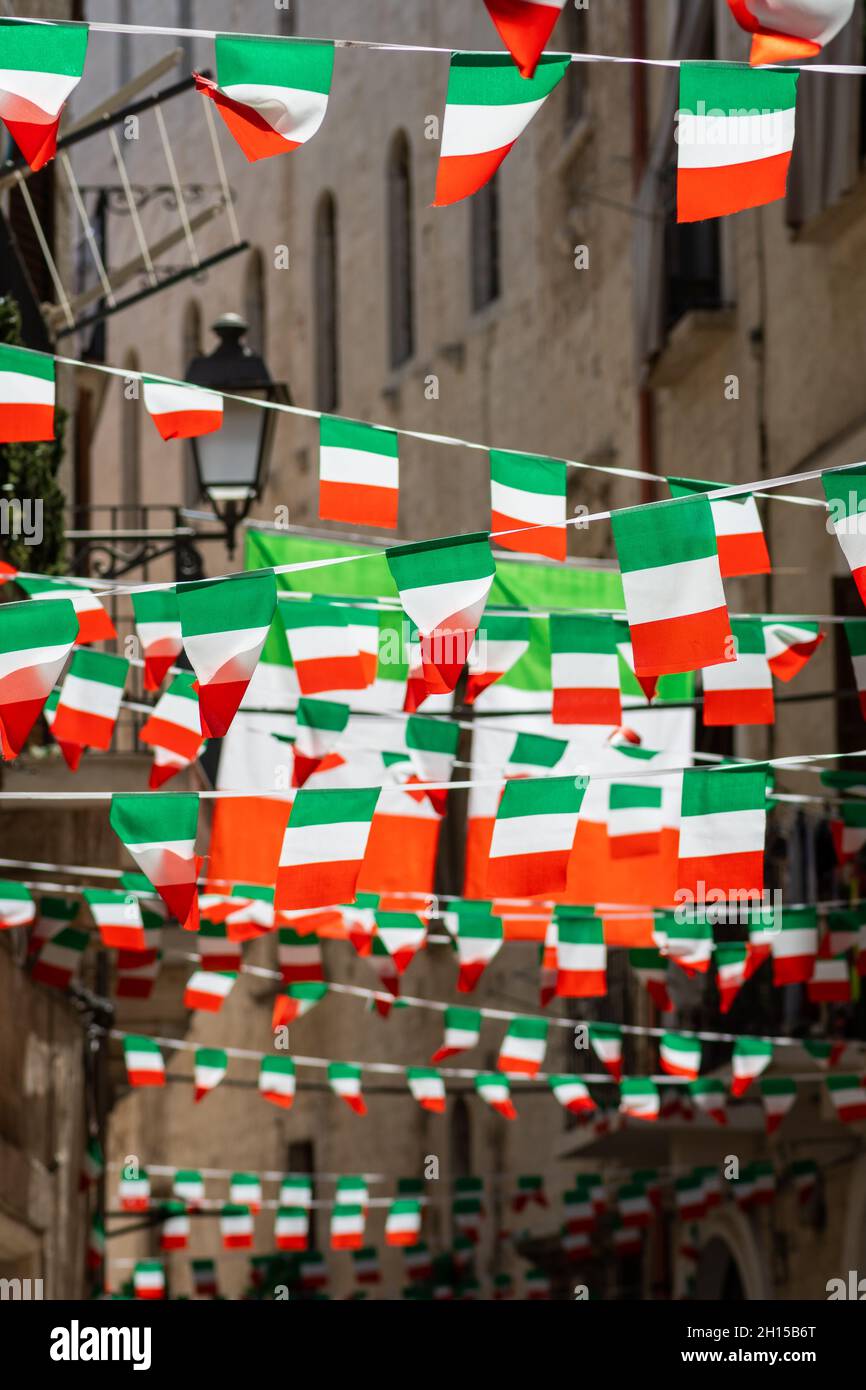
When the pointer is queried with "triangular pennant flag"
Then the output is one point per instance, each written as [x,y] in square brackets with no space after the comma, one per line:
[572,1094]
[731,971]
[211,1065]
[359,475]
[845,490]
[118,917]
[179,410]
[427,1087]
[159,830]
[639,1098]
[722,829]
[42,65]
[344,1079]
[536,822]
[739,534]
[741,691]
[848,1095]
[524,27]
[432,745]
[606,1042]
[324,846]
[173,730]
[688,943]
[680,1055]
[381,960]
[443,586]
[17,908]
[501,639]
[34,645]
[26,386]
[581,954]
[157,625]
[144,1063]
[277,1081]
[224,624]
[778,1095]
[855,631]
[59,958]
[496,1092]
[462,1031]
[296,1000]
[478,937]
[674,599]
[90,699]
[650,967]
[402,934]
[488,105]
[784,29]
[94,624]
[584,669]
[789,646]
[824,1054]
[271,93]
[751,1057]
[299,956]
[523,1047]
[734,136]
[530,1188]
[208,989]
[319,726]
[527,501]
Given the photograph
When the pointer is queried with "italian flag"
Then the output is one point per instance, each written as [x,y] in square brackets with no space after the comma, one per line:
[831,978]
[650,967]
[174,1233]
[530,1189]
[419,1265]
[427,1087]
[709,1098]
[365,1264]
[93,1164]
[90,699]
[297,1000]
[26,390]
[173,730]
[292,1228]
[784,29]
[159,830]
[344,1079]
[795,946]
[584,668]
[739,533]
[741,691]
[789,646]
[148,1279]
[443,586]
[572,1094]
[277,1081]
[536,822]
[216,949]
[402,934]
[690,1197]
[17,908]
[134,1189]
[855,632]
[271,93]
[496,1092]
[723,820]
[523,1047]
[680,1055]
[118,917]
[34,645]
[96,1243]
[352,1189]
[848,1095]
[731,971]
[634,818]
[432,748]
[606,1042]
[501,639]
[850,831]
[208,989]
[296,1190]
[236,1226]
[689,943]
[403,1222]
[581,955]
[633,1206]
[188,1183]
[144,1063]
[246,1190]
[528,491]
[778,1096]
[805,1174]
[674,599]
[462,1031]
[751,1057]
[157,624]
[60,958]
[488,105]
[524,27]
[224,624]
[639,1098]
[467,1214]
[735,133]
[211,1064]
[94,624]
[324,846]
[299,956]
[42,65]
[347,1226]
[478,937]
[359,473]
[580,1215]
[319,726]
[181,411]
[324,651]
[204,1278]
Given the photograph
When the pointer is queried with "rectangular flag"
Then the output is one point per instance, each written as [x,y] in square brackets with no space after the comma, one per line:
[741,691]
[324,847]
[94,624]
[536,822]
[739,533]
[584,667]
[181,411]
[35,642]
[581,955]
[90,699]
[224,623]
[722,827]
[527,500]
[26,388]
[359,475]
[324,651]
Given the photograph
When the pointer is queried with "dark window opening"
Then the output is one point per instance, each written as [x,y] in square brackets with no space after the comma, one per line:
[326,306]
[400,252]
[484,214]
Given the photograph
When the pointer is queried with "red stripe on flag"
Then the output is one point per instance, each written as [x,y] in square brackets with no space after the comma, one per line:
[37,142]
[703,193]
[187,424]
[526,875]
[460,175]
[746,554]
[94,625]
[25,424]
[726,707]
[256,138]
[158,659]
[587,706]
[580,984]
[793,970]
[77,726]
[524,29]
[540,540]
[160,733]
[670,645]
[727,873]
[316,885]
[17,718]
[358,503]
[788,663]
[330,673]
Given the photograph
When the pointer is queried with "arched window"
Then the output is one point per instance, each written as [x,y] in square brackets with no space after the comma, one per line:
[326,304]
[484,233]
[255,312]
[191,346]
[130,451]
[400,252]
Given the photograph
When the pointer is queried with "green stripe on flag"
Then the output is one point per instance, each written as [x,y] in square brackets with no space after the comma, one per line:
[57,48]
[707,790]
[155,606]
[431,735]
[103,667]
[336,433]
[572,632]
[528,472]
[735,89]
[542,796]
[148,817]
[537,750]
[26,625]
[238,602]
[449,560]
[307,64]
[18,359]
[664,533]
[333,806]
[322,714]
[492,79]
[625,796]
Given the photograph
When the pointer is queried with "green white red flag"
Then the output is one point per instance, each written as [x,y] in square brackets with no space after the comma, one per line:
[634,818]
[324,647]
[144,1062]
[633,1206]
[462,1031]
[739,533]
[524,27]
[606,1042]
[211,1065]
[523,1047]
[674,599]
[443,586]
[292,1227]
[366,1267]
[650,967]
[831,977]
[572,1094]
[734,136]
[204,1278]
[855,632]
[789,646]
[403,1222]
[584,667]
[487,106]
[536,822]
[639,1098]
[179,410]
[708,1096]
[741,691]
[680,1055]
[320,724]
[527,501]
[236,1226]
[501,639]
[224,623]
[208,990]
[778,1096]
[722,828]
[427,1087]
[271,93]
[795,946]
[42,65]
[534,754]
[118,917]
[93,1164]
[344,1079]
[17,908]
[751,1057]
[94,624]
[277,1081]
[785,29]
[530,1189]
[148,1279]
[59,958]
[402,934]
[157,625]
[159,830]
[359,477]
[188,1183]
[478,937]
[845,490]
[173,730]
[34,646]
[299,956]
[26,388]
[174,1227]
[90,699]
[496,1092]
[296,1000]
[133,1189]
[581,955]
[848,1095]
[347,1226]
[731,971]
[324,846]
[805,1174]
